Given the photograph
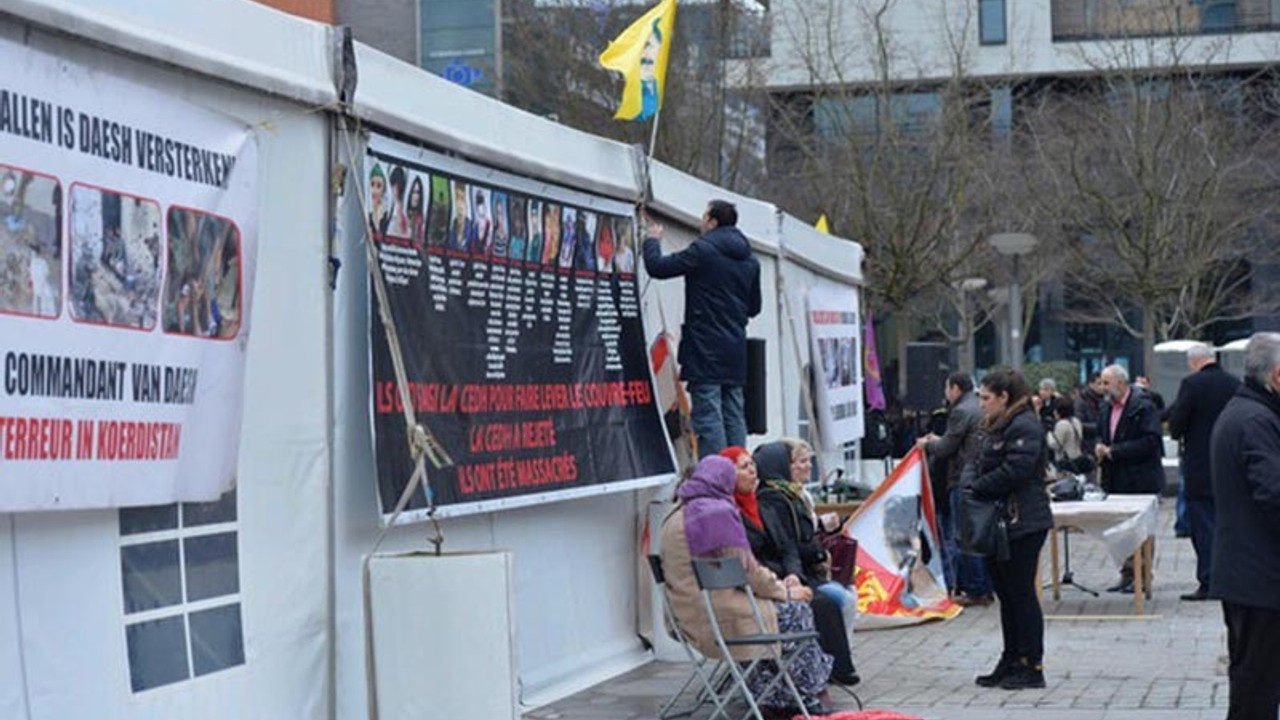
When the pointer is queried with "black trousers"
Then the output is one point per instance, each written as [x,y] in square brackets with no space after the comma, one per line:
[828,620]
[1253,644]
[1021,620]
[1200,523]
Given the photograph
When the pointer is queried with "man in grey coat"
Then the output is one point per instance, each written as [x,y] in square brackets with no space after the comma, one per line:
[1245,461]
[966,574]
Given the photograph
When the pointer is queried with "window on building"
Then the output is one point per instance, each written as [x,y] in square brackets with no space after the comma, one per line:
[180,576]
[459,40]
[991,22]
[1001,112]
[1217,15]
[748,34]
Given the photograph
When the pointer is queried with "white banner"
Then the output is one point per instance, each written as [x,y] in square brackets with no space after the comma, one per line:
[128,228]
[836,353]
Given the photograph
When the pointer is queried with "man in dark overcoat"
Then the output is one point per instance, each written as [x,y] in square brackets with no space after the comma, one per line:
[1245,576]
[1201,397]
[1129,447]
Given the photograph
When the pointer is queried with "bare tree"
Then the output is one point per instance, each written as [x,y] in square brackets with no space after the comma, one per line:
[912,159]
[551,69]
[1162,174]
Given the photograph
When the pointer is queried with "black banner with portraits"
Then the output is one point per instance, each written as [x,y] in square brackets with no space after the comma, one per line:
[519,319]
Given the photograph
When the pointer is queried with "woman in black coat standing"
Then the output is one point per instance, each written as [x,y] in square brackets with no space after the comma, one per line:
[1010,469]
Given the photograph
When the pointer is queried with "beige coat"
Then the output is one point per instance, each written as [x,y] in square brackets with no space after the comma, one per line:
[733,608]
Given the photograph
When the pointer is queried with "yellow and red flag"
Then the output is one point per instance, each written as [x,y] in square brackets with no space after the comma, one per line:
[640,54]
[899,579]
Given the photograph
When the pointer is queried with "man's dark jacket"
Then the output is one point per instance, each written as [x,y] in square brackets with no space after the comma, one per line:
[1010,466]
[721,292]
[1201,398]
[1245,452]
[1134,467]
[961,441]
[1089,405]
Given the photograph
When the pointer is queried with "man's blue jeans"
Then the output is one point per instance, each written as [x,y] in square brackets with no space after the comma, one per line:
[719,417]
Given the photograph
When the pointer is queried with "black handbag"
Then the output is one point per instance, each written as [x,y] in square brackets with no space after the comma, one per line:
[982,528]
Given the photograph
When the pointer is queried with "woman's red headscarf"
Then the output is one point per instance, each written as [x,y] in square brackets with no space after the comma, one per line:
[746,501]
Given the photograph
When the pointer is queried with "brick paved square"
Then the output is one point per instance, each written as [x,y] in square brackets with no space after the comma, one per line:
[1101,661]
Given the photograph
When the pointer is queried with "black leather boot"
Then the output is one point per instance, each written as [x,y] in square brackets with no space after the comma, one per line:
[1025,675]
[1003,668]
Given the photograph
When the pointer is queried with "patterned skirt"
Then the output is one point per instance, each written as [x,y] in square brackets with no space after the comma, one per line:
[810,667]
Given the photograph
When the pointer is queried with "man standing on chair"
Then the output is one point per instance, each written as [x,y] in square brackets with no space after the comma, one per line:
[721,293]
[1245,462]
[1129,448]
[1201,397]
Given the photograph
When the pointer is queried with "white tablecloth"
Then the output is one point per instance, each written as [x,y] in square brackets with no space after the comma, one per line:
[1122,522]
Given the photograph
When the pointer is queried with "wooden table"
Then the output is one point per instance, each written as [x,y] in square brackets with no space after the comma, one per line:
[1125,523]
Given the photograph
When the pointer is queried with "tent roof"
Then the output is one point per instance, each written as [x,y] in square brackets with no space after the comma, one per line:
[1177,346]
[242,42]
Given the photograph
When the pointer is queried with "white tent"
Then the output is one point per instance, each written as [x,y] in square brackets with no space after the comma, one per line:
[288,638]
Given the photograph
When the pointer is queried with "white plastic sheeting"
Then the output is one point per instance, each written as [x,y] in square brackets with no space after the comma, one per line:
[426,641]
[63,650]
[304,524]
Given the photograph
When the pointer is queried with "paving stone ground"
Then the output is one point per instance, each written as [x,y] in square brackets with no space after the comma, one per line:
[1167,665]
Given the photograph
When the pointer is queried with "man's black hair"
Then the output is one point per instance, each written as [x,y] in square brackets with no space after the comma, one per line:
[961,380]
[723,212]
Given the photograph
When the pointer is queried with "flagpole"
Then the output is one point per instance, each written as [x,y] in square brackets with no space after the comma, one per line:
[653,133]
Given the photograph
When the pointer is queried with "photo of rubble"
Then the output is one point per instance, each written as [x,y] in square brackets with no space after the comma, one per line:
[115,258]
[30,243]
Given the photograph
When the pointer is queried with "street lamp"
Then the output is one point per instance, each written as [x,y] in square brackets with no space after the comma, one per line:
[1014,245]
[966,286]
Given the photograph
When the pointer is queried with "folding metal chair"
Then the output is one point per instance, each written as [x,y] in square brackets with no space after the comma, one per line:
[712,674]
[727,573]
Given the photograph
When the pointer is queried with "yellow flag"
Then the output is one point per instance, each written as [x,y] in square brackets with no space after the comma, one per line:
[640,54]
[821,225]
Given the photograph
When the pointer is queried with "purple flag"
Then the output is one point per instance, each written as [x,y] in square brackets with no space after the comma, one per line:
[873,386]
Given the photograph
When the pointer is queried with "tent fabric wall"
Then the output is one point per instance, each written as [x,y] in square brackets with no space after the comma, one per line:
[795,280]
[13,702]
[63,570]
[307,506]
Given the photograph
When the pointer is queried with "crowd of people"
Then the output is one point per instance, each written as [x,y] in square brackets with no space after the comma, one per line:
[1010,445]
[1004,446]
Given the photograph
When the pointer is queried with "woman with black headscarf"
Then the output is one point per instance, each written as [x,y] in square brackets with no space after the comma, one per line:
[788,545]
